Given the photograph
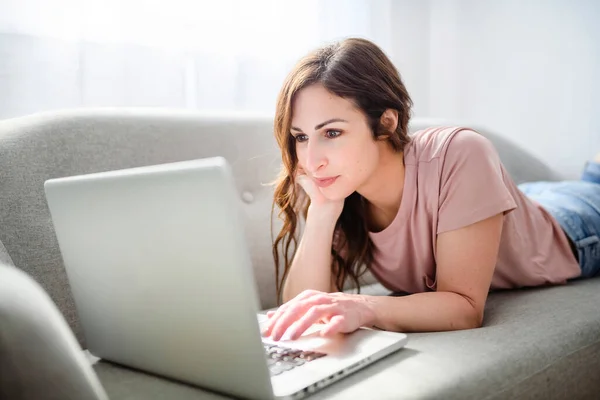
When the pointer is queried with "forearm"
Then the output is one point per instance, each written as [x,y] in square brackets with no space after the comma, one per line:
[311,266]
[423,312]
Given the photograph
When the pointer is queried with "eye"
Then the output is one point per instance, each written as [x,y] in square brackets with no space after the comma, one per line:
[301,138]
[332,133]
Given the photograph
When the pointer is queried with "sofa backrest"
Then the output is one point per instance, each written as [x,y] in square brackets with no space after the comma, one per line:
[520,163]
[72,142]
[49,145]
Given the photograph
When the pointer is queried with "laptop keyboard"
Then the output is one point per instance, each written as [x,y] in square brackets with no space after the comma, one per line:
[282,359]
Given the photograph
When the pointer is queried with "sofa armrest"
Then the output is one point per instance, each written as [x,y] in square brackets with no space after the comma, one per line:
[41,358]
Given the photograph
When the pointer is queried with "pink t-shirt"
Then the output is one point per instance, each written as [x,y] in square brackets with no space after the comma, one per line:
[454,178]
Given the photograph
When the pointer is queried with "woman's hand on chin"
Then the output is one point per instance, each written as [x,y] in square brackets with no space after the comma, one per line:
[320,206]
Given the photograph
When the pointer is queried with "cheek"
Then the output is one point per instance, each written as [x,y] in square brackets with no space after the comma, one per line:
[363,162]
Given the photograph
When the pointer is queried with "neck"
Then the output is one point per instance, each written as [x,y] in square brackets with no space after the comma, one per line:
[384,191]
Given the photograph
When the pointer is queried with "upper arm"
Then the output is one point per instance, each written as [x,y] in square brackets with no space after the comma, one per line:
[474,197]
[466,259]
[472,183]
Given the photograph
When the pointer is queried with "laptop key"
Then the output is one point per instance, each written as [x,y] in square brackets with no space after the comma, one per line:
[282,359]
[298,361]
[285,366]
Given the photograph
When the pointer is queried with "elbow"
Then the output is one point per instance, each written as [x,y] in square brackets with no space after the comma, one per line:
[477,321]
[470,318]
[473,319]
[467,322]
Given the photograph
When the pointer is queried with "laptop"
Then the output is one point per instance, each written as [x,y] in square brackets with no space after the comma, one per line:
[162,280]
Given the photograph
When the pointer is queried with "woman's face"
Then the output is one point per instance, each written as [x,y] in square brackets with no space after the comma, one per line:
[334,143]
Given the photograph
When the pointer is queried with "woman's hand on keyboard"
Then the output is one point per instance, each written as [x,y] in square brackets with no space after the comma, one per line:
[340,312]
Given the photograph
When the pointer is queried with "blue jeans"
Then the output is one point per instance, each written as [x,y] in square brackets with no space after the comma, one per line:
[576,207]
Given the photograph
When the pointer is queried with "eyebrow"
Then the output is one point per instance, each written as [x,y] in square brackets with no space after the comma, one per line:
[322,124]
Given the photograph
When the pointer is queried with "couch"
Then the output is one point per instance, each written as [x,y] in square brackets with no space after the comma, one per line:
[534,343]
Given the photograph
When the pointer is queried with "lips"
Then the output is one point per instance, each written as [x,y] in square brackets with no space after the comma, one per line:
[324,182]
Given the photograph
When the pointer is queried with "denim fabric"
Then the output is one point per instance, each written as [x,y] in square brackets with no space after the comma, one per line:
[576,206]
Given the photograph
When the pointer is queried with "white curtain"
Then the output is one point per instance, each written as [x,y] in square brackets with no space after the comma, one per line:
[196,54]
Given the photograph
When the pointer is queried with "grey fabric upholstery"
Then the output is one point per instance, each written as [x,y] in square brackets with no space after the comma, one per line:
[36,148]
[520,163]
[539,343]
[49,145]
[4,256]
[535,343]
[39,355]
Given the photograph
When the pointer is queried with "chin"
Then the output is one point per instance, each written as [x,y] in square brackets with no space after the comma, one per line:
[334,193]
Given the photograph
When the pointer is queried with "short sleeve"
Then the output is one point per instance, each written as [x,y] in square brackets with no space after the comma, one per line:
[472,184]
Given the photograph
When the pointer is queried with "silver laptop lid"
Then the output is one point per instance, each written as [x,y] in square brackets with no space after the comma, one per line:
[161,276]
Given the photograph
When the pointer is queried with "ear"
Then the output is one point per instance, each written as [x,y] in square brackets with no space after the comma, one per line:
[389,121]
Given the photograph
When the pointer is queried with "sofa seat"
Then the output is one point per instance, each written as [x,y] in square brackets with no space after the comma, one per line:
[541,343]
[535,343]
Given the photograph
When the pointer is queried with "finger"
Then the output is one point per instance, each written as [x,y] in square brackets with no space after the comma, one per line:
[295,312]
[274,315]
[335,325]
[283,308]
[298,174]
[300,171]
[306,184]
[311,317]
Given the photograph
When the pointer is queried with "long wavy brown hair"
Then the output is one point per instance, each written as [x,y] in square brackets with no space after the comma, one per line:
[357,70]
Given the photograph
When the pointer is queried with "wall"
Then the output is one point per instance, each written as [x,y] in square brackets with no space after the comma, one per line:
[528,69]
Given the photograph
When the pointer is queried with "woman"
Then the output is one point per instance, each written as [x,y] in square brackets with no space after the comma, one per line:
[434,215]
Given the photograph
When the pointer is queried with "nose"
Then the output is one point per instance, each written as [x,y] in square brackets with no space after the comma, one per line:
[315,157]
